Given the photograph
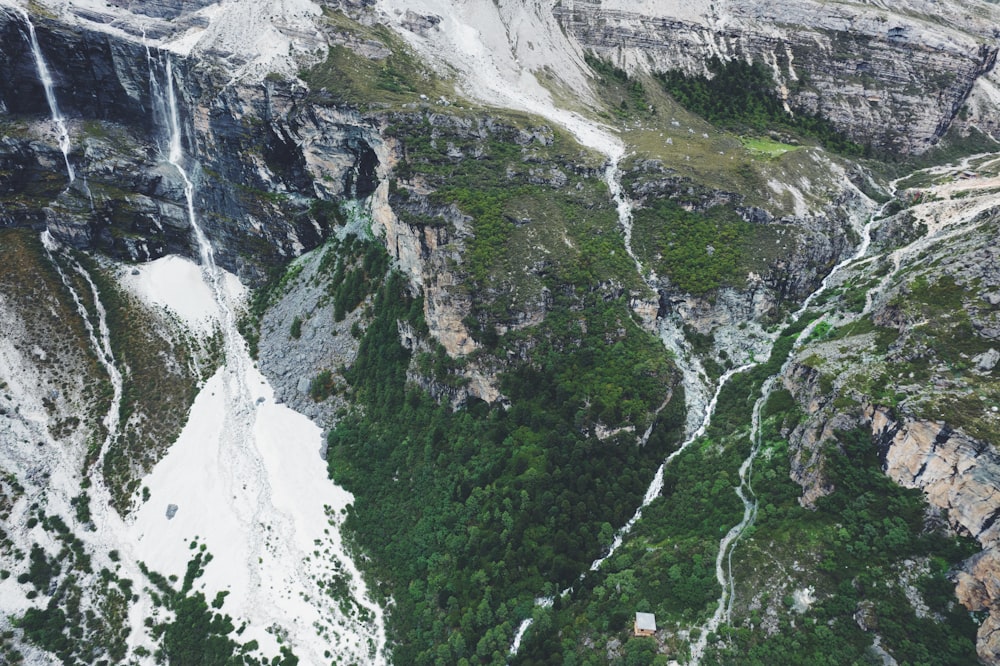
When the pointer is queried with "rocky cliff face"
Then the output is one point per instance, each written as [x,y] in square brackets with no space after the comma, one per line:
[895,79]
[956,472]
[265,159]
[961,476]
[914,364]
[502,223]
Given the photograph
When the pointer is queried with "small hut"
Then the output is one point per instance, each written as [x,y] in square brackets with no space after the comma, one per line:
[645,624]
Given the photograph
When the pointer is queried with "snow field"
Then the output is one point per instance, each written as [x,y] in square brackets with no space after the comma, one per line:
[248,482]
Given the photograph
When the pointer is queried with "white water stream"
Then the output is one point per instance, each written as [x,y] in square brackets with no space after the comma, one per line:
[492,70]
[45,77]
[612,176]
[106,521]
[728,543]
[694,378]
[100,340]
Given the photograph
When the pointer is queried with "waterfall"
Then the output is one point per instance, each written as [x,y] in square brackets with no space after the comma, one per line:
[50,94]
[276,491]
[656,485]
[175,156]
[613,177]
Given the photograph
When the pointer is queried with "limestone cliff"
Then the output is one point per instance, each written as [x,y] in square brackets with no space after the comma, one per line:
[259,177]
[537,270]
[961,476]
[895,78]
[914,364]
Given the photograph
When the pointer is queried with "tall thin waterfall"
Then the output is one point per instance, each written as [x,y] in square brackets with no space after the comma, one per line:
[278,493]
[45,77]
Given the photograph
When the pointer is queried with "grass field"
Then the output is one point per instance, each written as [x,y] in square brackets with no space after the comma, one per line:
[766,147]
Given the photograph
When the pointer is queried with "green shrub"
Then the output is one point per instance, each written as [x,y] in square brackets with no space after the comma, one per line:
[322,386]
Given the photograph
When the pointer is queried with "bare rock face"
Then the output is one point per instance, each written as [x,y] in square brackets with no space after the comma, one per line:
[961,475]
[426,255]
[978,589]
[127,202]
[807,459]
[165,9]
[885,77]
[955,472]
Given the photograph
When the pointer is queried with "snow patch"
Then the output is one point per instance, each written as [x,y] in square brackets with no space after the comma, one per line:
[496,47]
[176,283]
[249,484]
[252,38]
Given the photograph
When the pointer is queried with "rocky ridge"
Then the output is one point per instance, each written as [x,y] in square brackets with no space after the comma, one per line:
[277,161]
[257,190]
[917,372]
[893,79]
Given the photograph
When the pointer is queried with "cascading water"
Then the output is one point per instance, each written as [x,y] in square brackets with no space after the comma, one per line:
[656,485]
[694,379]
[45,77]
[175,155]
[522,629]
[612,176]
[728,543]
[100,339]
[268,485]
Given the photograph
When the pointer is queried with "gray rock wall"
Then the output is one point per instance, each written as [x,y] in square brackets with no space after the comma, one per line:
[887,79]
[261,155]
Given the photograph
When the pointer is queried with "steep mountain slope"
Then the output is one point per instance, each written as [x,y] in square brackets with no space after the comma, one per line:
[604,307]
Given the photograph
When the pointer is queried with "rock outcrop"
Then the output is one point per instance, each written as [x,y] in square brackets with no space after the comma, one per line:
[915,364]
[978,589]
[962,476]
[266,156]
[956,472]
[894,79]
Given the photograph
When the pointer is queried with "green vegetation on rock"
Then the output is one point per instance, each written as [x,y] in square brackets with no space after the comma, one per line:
[508,502]
[387,79]
[858,554]
[698,251]
[741,96]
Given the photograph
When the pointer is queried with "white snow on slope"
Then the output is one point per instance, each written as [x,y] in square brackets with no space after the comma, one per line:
[496,47]
[266,34]
[248,482]
[175,283]
[259,505]
[252,37]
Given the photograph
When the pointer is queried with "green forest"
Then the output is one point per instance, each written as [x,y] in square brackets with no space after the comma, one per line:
[473,513]
[741,96]
[510,322]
